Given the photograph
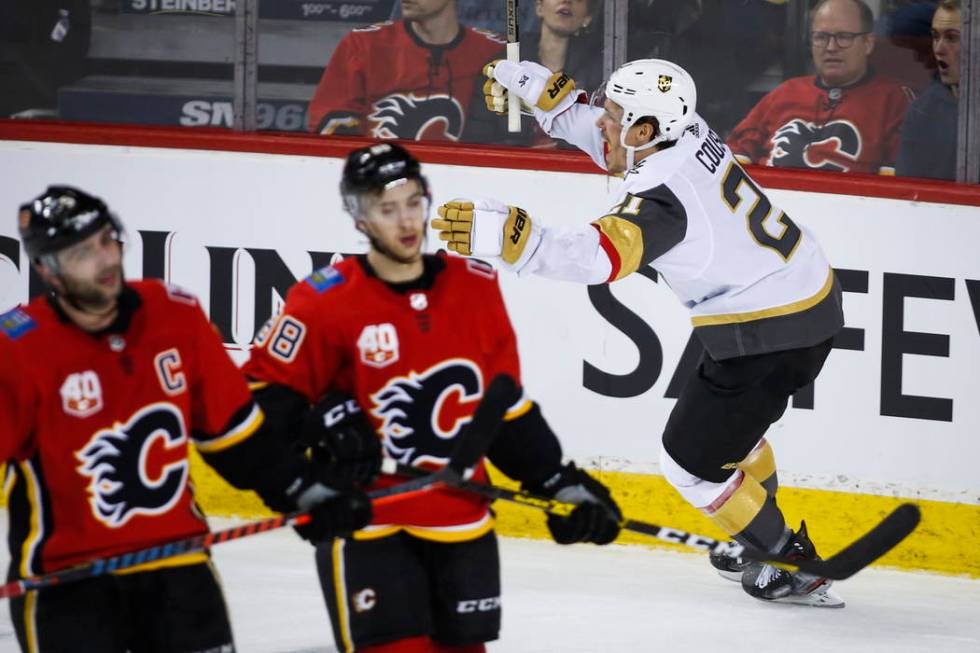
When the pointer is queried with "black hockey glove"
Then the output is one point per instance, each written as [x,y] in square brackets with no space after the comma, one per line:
[342,441]
[332,513]
[596,517]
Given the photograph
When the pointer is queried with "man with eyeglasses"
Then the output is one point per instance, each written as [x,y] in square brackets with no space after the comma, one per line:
[845,118]
[928,147]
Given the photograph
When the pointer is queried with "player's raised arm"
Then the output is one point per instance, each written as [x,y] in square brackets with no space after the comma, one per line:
[562,110]
[687,209]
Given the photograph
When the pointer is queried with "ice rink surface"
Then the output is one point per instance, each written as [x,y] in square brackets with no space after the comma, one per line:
[612,600]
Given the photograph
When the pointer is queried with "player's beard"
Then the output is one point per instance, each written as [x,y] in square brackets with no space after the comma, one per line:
[89,296]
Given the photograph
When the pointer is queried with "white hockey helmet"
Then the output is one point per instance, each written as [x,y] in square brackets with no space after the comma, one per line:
[655,88]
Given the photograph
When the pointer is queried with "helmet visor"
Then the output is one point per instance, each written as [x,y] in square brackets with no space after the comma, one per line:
[598,97]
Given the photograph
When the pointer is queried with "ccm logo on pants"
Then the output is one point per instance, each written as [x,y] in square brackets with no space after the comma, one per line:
[478,605]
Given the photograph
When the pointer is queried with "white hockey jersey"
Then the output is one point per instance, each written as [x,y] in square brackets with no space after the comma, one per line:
[754,281]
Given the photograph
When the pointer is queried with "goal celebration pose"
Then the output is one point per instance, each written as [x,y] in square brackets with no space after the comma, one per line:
[764,301]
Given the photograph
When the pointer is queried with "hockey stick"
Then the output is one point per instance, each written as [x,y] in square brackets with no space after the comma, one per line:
[472,442]
[100,566]
[514,55]
[859,554]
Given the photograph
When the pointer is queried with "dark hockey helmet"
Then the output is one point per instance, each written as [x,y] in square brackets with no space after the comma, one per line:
[61,217]
[374,169]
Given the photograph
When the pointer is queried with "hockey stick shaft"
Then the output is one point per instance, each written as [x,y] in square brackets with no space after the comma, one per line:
[513,55]
[100,566]
[862,552]
[472,442]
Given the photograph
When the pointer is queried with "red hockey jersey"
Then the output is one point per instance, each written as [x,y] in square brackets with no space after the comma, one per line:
[803,124]
[95,428]
[417,362]
[385,82]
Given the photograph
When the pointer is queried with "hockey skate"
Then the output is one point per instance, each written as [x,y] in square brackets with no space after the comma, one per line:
[769,583]
[729,567]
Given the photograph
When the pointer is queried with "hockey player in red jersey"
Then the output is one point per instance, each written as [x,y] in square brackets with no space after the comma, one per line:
[414,339]
[412,78]
[763,299]
[846,118]
[104,384]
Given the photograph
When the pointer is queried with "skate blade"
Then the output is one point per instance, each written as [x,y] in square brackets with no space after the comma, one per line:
[818,599]
[735,576]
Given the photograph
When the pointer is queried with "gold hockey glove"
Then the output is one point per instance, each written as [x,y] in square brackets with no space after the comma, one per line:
[495,94]
[488,228]
[534,84]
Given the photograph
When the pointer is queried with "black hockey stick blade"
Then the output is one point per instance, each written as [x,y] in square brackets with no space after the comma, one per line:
[872,545]
[475,439]
[858,555]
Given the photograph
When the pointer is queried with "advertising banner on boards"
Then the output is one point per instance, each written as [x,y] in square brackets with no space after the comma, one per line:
[895,410]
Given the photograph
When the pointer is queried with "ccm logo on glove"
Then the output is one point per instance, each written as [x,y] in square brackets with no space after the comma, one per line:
[337,413]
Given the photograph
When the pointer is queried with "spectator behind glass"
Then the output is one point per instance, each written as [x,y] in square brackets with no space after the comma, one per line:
[845,118]
[928,147]
[565,41]
[412,78]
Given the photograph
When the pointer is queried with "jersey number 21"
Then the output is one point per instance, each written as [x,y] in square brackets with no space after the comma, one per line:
[786,242]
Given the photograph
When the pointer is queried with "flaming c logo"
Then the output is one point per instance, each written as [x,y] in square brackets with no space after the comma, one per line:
[435,117]
[136,468]
[421,414]
[800,144]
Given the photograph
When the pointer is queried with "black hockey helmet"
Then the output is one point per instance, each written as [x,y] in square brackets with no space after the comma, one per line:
[375,169]
[61,217]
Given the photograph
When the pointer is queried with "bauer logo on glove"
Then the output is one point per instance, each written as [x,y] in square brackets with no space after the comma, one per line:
[561,84]
[488,228]
[534,84]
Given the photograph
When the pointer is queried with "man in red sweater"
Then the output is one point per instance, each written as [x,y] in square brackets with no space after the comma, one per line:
[845,118]
[412,78]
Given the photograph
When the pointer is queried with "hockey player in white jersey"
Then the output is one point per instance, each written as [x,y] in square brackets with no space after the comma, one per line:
[763,299]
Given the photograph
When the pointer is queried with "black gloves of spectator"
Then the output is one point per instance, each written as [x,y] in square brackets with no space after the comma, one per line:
[596,517]
[343,443]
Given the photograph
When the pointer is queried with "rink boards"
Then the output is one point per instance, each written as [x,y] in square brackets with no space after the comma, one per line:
[894,414]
